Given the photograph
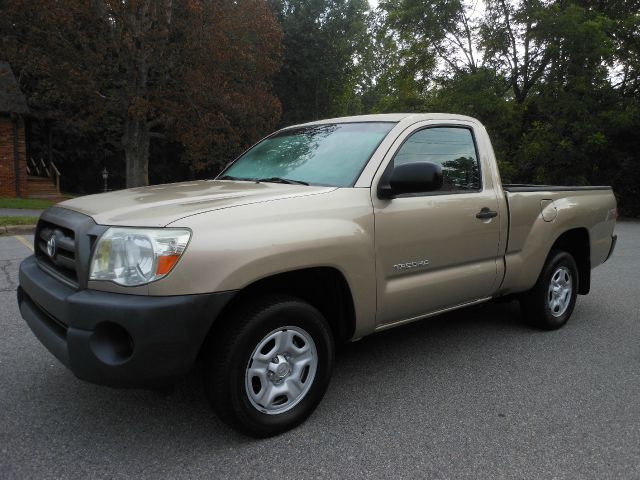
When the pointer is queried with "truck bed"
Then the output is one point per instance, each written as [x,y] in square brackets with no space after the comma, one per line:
[525,187]
[538,214]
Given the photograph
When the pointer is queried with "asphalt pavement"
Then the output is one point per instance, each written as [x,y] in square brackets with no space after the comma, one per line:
[470,395]
[19,212]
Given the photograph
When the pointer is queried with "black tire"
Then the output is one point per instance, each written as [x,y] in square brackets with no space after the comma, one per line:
[536,303]
[230,350]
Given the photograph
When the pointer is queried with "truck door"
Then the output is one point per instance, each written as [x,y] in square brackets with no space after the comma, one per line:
[439,249]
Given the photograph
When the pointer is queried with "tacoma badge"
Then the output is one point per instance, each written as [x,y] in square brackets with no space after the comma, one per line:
[407,265]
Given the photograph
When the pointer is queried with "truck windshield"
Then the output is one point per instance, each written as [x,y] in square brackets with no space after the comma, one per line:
[328,154]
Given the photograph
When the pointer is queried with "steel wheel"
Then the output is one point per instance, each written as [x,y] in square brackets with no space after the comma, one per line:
[560,290]
[281,370]
[269,365]
[550,302]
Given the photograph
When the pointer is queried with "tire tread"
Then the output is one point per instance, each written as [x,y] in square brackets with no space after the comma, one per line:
[235,325]
[533,302]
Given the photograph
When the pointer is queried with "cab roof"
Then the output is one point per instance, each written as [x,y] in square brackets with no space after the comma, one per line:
[391,117]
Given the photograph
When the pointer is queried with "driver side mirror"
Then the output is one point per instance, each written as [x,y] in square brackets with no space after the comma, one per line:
[416,177]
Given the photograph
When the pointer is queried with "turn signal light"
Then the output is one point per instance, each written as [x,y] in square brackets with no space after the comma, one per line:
[166,263]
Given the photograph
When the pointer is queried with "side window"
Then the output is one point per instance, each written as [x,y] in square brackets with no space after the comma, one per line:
[450,147]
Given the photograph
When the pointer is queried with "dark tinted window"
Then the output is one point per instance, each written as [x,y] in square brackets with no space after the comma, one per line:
[451,148]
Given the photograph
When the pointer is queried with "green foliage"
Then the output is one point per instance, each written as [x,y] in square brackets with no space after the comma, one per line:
[324,44]
[556,83]
[29,203]
[4,221]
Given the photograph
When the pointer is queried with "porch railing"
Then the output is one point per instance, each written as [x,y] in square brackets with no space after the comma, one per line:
[40,168]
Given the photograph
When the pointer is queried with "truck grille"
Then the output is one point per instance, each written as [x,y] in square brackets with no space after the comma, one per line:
[63,243]
[63,261]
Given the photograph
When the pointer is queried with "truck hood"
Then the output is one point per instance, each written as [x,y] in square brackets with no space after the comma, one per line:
[159,205]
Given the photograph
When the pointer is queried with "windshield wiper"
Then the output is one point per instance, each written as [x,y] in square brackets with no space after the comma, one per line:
[230,177]
[281,180]
[269,180]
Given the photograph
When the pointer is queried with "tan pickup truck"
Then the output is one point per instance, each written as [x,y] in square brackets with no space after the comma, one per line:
[318,234]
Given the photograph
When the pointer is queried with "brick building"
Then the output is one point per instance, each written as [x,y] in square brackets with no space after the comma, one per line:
[13,148]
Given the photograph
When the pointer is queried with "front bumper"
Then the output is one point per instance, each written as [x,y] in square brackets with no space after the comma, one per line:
[115,339]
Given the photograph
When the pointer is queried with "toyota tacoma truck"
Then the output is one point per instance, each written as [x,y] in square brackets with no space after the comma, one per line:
[320,233]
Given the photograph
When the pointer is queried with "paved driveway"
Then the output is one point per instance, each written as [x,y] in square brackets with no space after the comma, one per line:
[473,394]
[19,212]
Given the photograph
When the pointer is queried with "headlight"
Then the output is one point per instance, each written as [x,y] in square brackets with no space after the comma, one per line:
[134,256]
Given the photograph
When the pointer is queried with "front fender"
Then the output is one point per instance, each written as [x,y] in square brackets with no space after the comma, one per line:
[232,248]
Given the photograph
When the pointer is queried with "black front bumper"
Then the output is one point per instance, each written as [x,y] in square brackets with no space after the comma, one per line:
[115,339]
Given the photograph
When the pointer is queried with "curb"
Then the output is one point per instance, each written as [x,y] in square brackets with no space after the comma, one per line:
[17,230]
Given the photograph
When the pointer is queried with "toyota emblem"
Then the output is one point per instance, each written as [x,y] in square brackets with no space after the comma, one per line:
[51,246]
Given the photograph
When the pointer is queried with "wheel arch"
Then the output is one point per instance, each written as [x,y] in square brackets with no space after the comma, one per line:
[576,242]
[326,288]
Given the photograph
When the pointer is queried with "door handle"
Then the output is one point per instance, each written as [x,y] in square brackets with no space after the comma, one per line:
[485,214]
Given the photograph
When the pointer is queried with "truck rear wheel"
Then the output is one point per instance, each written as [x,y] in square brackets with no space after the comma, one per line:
[269,367]
[550,303]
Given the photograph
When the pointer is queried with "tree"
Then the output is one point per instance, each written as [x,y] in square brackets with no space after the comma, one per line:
[324,45]
[198,72]
[395,78]
[435,29]
[555,82]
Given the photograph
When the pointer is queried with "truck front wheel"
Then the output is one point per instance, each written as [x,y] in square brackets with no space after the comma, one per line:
[549,304]
[269,366]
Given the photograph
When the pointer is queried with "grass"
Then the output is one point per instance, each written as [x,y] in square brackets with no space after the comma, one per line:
[18,221]
[33,203]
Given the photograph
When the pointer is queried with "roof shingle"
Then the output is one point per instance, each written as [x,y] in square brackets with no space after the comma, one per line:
[12,99]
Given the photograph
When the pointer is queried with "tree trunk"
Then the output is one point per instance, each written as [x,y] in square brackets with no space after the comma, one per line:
[136,149]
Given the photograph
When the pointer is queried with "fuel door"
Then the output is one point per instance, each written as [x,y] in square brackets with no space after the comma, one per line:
[548,210]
